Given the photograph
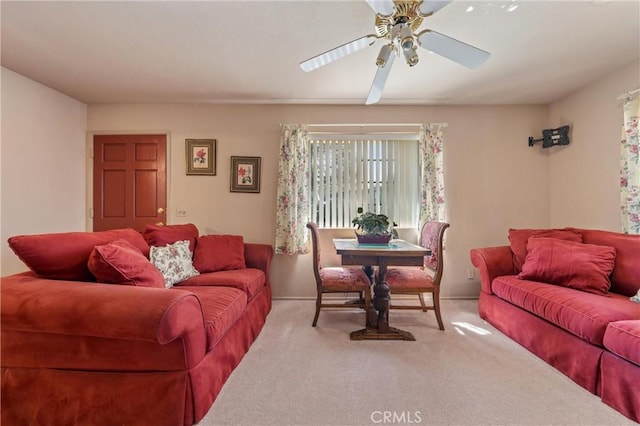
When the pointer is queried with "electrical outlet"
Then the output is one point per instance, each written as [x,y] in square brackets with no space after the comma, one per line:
[470,274]
[181,211]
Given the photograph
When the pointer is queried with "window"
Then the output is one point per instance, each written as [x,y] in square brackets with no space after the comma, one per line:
[380,176]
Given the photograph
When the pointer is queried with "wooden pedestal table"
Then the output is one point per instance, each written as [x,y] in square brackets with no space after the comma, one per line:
[396,253]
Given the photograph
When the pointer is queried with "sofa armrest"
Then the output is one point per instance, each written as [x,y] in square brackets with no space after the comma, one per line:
[33,304]
[258,256]
[492,262]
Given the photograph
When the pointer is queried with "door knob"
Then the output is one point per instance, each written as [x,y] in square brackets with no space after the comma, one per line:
[160,210]
[160,223]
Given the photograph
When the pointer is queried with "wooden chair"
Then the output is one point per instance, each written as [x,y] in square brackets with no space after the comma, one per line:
[337,280]
[425,279]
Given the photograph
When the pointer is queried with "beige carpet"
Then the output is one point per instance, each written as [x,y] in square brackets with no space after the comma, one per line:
[469,374]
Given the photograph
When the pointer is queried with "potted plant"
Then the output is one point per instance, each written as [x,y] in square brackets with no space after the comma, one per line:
[372,228]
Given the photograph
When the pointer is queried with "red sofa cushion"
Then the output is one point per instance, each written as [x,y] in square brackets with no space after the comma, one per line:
[219,253]
[624,279]
[584,314]
[584,267]
[160,236]
[221,306]
[520,237]
[623,339]
[120,262]
[64,256]
[249,280]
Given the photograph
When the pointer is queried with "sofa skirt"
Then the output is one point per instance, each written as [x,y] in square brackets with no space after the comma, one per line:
[33,396]
[574,357]
[620,389]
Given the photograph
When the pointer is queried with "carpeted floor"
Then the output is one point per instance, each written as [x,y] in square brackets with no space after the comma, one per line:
[469,374]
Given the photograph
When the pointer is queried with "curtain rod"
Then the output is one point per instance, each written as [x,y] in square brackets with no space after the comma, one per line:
[361,125]
[363,133]
[628,94]
[364,125]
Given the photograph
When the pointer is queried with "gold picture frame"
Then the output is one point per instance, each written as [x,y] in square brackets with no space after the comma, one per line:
[201,156]
[245,174]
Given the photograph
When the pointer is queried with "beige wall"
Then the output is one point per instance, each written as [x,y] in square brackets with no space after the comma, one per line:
[43,162]
[584,176]
[493,179]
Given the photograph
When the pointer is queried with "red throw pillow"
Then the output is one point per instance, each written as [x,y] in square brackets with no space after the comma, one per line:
[219,253]
[160,236]
[584,267]
[625,278]
[519,238]
[120,262]
[64,256]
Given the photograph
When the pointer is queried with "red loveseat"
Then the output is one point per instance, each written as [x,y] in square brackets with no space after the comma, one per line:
[75,351]
[564,294]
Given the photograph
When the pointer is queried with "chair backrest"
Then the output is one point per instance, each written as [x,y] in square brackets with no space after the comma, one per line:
[431,237]
[315,246]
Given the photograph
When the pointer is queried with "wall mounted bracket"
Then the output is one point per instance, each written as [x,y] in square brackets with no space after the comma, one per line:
[552,137]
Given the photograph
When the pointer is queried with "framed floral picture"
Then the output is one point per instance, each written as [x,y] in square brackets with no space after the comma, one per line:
[201,156]
[245,174]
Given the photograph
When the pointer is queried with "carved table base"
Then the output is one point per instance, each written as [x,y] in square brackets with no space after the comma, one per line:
[371,333]
[377,327]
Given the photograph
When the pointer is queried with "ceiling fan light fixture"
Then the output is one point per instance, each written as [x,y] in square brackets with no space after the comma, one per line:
[411,56]
[406,37]
[396,32]
[407,43]
[383,56]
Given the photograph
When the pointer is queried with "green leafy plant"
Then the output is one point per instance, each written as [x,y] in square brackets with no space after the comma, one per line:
[374,224]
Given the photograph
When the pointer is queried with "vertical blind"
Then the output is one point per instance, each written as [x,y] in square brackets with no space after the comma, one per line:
[381,176]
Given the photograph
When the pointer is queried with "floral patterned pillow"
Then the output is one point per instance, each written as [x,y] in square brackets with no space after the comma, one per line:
[174,261]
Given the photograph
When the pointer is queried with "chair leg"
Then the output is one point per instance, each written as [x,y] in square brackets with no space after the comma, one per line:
[424,306]
[436,308]
[318,304]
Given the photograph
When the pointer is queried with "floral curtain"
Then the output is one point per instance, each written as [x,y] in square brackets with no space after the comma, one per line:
[432,205]
[292,202]
[630,168]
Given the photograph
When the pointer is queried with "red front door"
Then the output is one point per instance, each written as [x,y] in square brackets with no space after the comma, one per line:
[129,181]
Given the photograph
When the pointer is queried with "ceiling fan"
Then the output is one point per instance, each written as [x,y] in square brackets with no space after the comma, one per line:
[397,22]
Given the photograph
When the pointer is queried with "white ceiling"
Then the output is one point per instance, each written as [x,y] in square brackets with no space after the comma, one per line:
[249,51]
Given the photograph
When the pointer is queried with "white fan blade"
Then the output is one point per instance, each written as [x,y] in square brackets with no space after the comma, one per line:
[453,49]
[381,7]
[375,93]
[429,7]
[337,53]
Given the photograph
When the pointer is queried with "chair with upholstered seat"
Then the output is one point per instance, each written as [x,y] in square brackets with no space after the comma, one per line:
[337,280]
[425,279]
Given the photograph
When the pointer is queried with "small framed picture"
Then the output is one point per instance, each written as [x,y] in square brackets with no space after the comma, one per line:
[245,174]
[201,156]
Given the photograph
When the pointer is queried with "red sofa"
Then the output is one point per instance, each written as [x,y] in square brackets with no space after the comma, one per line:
[541,291]
[81,352]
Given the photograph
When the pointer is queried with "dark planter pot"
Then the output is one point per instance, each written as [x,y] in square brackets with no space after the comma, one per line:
[373,239]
